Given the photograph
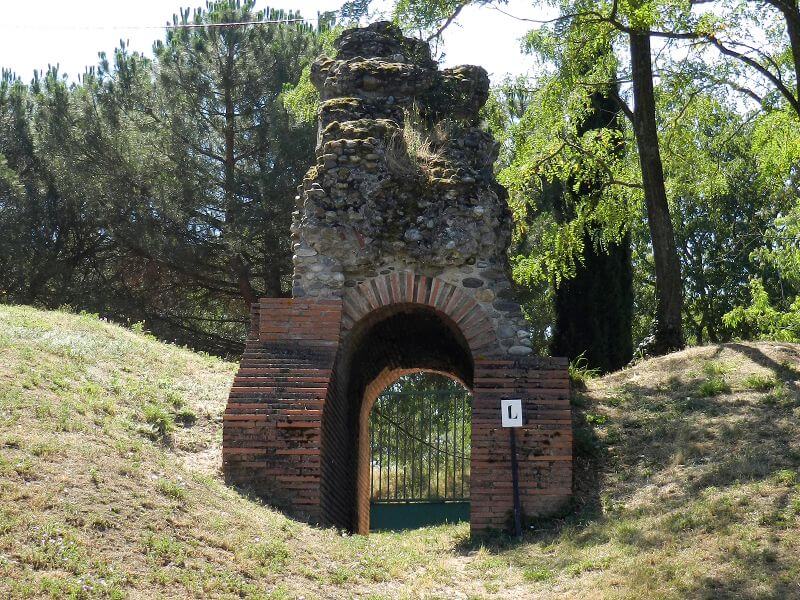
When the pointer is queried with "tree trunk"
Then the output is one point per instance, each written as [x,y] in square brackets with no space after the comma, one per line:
[594,309]
[668,330]
[242,273]
[792,15]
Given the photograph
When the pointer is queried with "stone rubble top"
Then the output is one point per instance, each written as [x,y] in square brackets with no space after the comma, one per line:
[404,178]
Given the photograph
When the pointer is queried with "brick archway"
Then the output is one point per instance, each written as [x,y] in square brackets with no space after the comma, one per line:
[393,325]
[313,367]
[366,300]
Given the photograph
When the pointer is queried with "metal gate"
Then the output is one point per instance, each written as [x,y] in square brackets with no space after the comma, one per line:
[420,433]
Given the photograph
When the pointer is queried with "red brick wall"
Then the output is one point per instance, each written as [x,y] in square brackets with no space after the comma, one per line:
[273,421]
[544,443]
[296,425]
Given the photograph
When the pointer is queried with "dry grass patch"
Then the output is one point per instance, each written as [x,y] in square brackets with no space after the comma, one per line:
[110,485]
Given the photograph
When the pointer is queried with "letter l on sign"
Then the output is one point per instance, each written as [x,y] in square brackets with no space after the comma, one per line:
[511,412]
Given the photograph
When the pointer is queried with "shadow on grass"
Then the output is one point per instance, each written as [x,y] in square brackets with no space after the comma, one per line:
[730,443]
[725,443]
[760,573]
[783,371]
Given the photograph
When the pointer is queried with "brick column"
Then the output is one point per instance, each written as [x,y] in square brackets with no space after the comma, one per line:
[273,421]
[544,443]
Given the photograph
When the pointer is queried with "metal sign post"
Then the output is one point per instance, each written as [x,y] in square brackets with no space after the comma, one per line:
[511,417]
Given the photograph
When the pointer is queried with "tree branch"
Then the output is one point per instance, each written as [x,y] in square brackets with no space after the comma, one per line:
[448,21]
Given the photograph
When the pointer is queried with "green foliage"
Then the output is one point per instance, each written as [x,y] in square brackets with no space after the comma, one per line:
[171,490]
[301,98]
[160,420]
[544,151]
[565,169]
[587,444]
[713,386]
[593,419]
[722,215]
[779,396]
[715,383]
[762,320]
[777,145]
[760,383]
[186,416]
[272,554]
[165,549]
[537,574]
[159,190]
[786,477]
[424,17]
[580,372]
[782,250]
[775,315]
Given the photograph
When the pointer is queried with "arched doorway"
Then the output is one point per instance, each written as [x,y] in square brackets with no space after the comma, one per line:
[387,344]
[295,429]
[420,442]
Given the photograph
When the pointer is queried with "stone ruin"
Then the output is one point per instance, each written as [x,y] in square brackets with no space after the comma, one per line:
[399,240]
[404,179]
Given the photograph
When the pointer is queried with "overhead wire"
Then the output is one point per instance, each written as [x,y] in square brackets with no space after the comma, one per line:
[154,27]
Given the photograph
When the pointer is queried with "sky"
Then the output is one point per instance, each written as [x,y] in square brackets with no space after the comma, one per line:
[71,33]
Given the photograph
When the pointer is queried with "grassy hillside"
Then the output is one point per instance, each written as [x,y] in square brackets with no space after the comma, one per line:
[109,485]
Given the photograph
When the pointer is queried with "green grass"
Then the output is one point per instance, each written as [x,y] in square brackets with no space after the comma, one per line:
[713,386]
[110,485]
[580,374]
[760,383]
[716,382]
[171,490]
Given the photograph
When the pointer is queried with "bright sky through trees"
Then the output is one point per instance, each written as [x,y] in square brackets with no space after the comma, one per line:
[72,33]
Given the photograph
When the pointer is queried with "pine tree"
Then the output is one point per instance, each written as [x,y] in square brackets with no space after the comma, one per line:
[160,190]
[219,96]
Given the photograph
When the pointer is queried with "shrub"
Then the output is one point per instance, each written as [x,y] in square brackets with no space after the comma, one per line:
[161,421]
[186,417]
[580,373]
[412,150]
[778,396]
[594,419]
[272,554]
[537,574]
[785,477]
[763,320]
[165,549]
[171,490]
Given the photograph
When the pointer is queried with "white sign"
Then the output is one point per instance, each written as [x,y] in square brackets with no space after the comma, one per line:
[511,412]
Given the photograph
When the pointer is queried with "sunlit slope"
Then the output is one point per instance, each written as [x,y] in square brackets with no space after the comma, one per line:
[110,485]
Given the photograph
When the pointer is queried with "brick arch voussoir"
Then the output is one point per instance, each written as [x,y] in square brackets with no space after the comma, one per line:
[408,288]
